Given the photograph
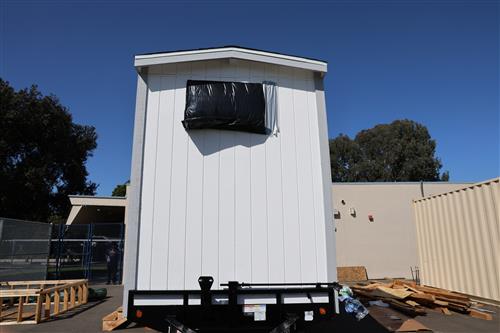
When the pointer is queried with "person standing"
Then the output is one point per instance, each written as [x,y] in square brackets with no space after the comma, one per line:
[112,255]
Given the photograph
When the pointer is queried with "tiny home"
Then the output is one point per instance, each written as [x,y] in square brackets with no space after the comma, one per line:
[230,171]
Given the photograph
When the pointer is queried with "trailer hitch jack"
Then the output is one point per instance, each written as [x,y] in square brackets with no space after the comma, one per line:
[288,326]
[172,322]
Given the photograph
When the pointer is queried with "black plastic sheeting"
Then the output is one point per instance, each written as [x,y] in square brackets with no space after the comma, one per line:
[233,106]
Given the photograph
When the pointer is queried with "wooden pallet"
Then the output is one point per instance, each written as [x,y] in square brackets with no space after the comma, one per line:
[46,299]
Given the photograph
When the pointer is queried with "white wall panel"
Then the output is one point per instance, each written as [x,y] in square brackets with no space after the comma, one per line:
[163,176]
[178,185]
[291,235]
[304,184]
[275,227]
[226,230]
[234,205]
[194,198]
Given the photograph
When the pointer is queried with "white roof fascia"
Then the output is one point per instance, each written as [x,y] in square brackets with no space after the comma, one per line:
[230,52]
[73,214]
[98,201]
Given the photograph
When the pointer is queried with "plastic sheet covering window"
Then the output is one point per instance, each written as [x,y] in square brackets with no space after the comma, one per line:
[238,106]
[271,107]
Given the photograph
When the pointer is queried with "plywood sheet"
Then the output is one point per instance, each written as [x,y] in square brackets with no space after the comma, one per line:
[352,273]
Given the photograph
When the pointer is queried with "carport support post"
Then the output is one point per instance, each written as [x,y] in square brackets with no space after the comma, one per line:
[133,209]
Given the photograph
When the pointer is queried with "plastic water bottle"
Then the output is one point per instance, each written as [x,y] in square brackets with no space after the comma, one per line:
[354,306]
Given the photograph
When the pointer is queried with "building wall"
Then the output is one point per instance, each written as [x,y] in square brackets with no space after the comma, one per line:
[233,205]
[386,246]
[458,236]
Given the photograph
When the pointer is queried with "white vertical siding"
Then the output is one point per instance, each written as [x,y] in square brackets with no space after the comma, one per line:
[233,205]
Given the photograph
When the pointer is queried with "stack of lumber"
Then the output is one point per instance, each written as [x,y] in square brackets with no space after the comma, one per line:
[413,299]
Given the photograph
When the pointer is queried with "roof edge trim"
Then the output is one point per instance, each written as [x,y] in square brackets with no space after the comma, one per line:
[230,52]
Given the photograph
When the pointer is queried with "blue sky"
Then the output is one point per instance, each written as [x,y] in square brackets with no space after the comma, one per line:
[435,62]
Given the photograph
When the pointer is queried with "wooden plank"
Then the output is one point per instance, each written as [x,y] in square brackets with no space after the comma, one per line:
[110,317]
[57,301]
[27,297]
[445,311]
[56,288]
[45,282]
[405,283]
[441,303]
[452,300]
[405,308]
[80,295]
[391,293]
[20,309]
[47,306]
[65,301]
[480,314]
[72,297]
[443,293]
[85,293]
[458,308]
[38,309]
[18,292]
[13,322]
[422,298]
[412,289]
[412,303]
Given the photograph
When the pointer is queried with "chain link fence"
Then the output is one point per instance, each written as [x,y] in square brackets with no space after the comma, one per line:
[24,249]
[83,251]
[39,251]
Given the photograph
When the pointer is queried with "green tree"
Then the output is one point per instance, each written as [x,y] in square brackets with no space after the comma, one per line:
[120,190]
[42,155]
[344,159]
[400,151]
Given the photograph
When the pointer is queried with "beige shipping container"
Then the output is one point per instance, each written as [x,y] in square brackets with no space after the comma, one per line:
[458,240]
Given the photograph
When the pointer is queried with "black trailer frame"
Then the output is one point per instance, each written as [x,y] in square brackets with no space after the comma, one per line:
[230,316]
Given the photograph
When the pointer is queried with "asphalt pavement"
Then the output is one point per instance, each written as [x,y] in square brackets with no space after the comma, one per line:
[88,319]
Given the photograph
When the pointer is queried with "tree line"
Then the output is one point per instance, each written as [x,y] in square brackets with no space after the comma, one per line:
[400,151]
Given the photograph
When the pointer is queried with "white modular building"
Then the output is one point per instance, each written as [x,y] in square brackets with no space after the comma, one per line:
[231,204]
